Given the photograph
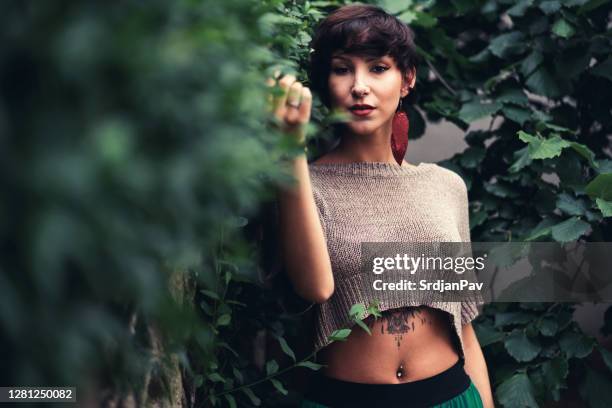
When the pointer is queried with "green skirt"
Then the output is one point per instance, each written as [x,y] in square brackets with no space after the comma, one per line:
[469,398]
[452,388]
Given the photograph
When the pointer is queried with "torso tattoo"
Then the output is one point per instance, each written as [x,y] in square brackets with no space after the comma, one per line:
[398,322]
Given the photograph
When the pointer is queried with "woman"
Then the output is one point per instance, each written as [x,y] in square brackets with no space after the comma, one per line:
[364,64]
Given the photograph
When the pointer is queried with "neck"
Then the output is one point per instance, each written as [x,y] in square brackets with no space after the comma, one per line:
[374,147]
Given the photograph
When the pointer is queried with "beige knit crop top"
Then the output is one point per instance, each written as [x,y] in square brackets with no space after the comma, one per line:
[385,202]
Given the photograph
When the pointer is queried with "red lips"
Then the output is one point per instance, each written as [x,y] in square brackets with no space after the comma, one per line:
[361,109]
[361,106]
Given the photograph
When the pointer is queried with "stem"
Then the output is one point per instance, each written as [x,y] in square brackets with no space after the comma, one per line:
[284,370]
[435,71]
[492,122]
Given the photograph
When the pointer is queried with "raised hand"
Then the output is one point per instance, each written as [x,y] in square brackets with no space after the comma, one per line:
[292,106]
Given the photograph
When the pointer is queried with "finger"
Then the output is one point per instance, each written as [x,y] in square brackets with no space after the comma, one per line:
[294,94]
[284,83]
[270,106]
[301,114]
[298,119]
[305,105]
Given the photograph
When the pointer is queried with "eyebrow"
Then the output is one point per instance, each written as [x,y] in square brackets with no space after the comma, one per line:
[367,59]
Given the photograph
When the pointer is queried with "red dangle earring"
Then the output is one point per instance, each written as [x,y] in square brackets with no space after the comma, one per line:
[399,135]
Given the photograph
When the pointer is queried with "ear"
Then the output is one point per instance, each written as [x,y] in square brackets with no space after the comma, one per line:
[408,82]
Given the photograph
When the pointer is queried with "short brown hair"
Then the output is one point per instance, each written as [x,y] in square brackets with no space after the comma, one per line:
[359,29]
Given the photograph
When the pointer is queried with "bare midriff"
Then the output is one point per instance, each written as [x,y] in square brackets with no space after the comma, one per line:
[407,344]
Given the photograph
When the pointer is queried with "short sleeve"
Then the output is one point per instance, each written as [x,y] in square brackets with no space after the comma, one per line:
[469,310]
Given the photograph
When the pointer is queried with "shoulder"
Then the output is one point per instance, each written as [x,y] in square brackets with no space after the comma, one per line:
[449,178]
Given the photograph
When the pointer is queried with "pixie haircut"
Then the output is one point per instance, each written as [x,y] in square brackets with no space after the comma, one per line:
[363,30]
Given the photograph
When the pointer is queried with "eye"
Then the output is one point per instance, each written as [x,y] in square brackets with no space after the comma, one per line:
[380,69]
[339,70]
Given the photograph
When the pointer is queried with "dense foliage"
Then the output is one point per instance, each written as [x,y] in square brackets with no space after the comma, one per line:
[139,258]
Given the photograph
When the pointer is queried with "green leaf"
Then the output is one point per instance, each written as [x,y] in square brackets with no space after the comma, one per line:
[472,157]
[563,29]
[516,392]
[543,228]
[310,364]
[558,128]
[215,377]
[604,206]
[569,230]
[527,138]
[517,115]
[550,7]
[590,5]
[285,347]
[500,189]
[249,393]
[571,205]
[487,335]
[604,69]
[540,148]
[271,367]
[475,110]
[604,166]
[198,380]
[522,160]
[606,356]
[210,294]
[600,187]
[521,347]
[238,375]
[477,218]
[340,335]
[357,311]
[543,83]
[279,386]
[230,400]
[361,324]
[548,327]
[506,318]
[548,148]
[596,390]
[531,63]
[555,372]
[585,152]
[518,10]
[374,308]
[224,320]
[576,345]
[395,6]
[515,96]
[413,17]
[508,44]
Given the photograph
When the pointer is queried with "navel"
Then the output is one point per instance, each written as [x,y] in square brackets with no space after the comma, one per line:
[400,371]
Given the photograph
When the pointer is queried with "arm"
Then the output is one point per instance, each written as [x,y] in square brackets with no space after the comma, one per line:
[304,247]
[303,243]
[476,366]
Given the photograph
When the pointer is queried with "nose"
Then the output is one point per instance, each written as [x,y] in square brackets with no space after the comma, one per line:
[360,90]
[359,87]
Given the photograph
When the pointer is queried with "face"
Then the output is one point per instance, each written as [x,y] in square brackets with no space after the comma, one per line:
[368,89]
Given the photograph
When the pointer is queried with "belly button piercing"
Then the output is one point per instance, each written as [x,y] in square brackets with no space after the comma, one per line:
[400,371]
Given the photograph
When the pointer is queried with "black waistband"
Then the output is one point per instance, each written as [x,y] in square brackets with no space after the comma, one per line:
[415,394]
